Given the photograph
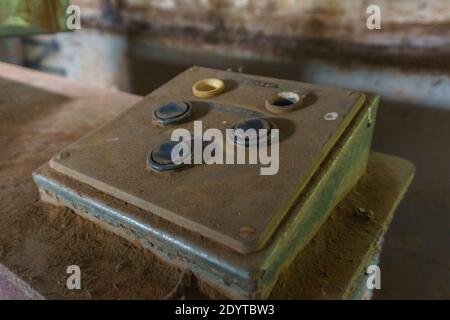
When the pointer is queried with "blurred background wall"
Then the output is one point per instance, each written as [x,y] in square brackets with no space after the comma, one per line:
[137,45]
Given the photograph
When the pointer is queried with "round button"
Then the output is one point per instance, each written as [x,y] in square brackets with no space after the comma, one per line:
[160,159]
[172,113]
[286,101]
[242,136]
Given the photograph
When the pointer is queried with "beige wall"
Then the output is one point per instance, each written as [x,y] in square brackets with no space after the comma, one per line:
[320,19]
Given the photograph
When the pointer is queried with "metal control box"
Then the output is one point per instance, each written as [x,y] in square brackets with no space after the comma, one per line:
[232,226]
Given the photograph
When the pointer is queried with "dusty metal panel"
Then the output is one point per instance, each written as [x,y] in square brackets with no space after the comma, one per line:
[204,199]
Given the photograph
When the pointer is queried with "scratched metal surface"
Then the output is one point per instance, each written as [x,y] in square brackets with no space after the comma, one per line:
[214,202]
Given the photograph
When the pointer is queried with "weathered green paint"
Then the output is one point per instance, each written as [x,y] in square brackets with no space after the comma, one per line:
[23,17]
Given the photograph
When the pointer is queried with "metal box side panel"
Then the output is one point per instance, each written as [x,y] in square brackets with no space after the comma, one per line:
[337,177]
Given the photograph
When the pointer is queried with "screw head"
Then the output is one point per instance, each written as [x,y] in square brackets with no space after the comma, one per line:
[63,155]
[331,116]
[247,232]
